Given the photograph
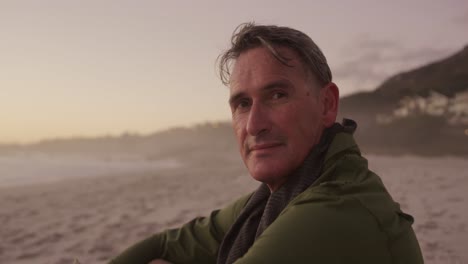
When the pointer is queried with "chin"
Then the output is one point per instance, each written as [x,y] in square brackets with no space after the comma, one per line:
[268,174]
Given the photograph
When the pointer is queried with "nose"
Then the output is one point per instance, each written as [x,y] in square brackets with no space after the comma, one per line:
[258,121]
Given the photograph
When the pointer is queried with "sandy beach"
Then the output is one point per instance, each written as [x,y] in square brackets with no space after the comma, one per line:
[94,218]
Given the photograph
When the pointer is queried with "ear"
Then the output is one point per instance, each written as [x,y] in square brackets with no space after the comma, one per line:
[330,95]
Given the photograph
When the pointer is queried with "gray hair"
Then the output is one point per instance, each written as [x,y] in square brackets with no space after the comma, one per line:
[248,35]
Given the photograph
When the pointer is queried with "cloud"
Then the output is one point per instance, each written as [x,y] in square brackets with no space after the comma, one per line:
[366,42]
[368,62]
[462,19]
[362,67]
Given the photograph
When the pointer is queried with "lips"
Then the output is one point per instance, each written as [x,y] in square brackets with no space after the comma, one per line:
[264,146]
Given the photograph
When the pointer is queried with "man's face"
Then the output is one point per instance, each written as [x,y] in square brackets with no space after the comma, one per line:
[277,114]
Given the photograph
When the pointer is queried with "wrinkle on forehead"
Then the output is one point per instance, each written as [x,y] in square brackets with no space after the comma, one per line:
[247,66]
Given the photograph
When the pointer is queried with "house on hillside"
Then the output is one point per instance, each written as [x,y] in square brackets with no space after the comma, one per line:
[458,109]
[455,109]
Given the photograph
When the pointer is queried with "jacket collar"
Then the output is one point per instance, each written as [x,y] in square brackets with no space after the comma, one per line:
[342,142]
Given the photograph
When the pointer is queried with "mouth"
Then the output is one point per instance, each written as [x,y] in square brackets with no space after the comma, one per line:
[264,147]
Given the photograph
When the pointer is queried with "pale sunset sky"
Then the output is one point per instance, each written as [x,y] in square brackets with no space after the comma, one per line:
[92,68]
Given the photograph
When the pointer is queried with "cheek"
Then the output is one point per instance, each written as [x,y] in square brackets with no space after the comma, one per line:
[290,119]
[239,131]
[307,123]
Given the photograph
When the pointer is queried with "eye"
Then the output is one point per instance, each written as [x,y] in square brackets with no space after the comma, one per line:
[242,104]
[278,95]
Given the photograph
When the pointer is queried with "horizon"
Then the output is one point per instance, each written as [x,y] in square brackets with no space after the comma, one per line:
[91,69]
[116,135]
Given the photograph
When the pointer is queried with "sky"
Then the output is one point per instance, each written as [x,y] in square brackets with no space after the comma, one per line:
[91,68]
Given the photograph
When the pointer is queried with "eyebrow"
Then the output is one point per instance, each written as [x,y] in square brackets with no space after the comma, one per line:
[271,86]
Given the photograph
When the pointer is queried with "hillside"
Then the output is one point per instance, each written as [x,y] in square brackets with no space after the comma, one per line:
[181,142]
[422,111]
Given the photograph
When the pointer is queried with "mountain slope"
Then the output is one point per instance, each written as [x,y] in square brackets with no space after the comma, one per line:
[422,111]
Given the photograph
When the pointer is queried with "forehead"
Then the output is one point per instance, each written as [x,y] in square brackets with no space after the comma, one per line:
[257,67]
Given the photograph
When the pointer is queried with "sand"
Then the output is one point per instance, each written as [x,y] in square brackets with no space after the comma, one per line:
[94,218]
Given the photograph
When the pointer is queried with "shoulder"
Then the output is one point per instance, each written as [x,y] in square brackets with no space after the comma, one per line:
[329,230]
[333,219]
[347,188]
[329,219]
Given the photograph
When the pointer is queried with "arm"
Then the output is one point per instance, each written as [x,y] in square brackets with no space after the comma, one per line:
[195,242]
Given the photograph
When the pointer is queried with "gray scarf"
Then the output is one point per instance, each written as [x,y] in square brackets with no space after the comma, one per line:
[264,207]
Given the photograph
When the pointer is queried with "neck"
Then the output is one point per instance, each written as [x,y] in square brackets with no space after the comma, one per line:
[276,185]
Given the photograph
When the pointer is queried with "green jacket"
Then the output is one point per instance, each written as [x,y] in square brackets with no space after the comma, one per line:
[345,216]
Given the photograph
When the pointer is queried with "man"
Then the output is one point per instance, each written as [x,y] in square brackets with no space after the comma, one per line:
[318,202]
